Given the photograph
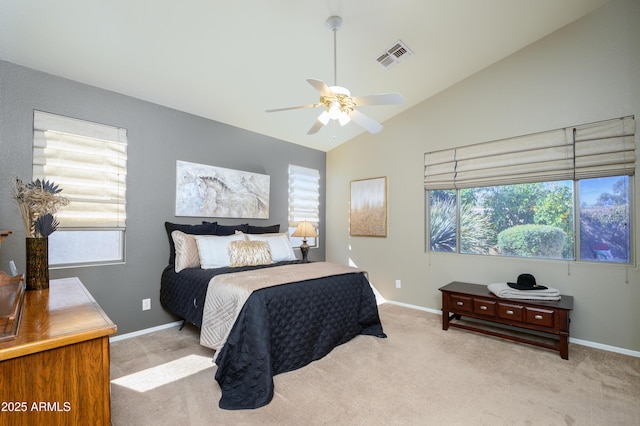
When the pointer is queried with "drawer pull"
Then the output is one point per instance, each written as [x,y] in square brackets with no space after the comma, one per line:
[459,303]
[538,317]
[483,308]
[509,312]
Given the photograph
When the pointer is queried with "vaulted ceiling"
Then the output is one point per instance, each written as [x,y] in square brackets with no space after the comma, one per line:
[229,61]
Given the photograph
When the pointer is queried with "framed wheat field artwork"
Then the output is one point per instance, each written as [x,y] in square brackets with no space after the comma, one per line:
[209,191]
[368,208]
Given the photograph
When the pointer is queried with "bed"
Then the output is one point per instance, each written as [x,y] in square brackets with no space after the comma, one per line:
[262,318]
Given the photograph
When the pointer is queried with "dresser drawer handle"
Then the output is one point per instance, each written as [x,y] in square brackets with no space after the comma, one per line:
[509,312]
[483,308]
[459,303]
[538,317]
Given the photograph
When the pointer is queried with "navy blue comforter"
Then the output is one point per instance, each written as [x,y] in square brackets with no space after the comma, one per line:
[286,327]
[280,328]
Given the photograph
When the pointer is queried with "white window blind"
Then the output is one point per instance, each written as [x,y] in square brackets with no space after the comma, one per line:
[304,195]
[598,150]
[88,161]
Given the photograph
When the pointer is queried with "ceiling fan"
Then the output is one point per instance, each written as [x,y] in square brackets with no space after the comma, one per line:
[338,103]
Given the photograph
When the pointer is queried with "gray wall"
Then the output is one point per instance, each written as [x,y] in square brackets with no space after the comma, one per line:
[157,136]
[585,72]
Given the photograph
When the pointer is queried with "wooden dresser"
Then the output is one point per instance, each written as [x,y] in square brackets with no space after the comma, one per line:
[56,372]
[476,301]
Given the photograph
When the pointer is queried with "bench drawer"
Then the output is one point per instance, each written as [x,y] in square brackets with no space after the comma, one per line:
[484,307]
[510,312]
[461,303]
[541,317]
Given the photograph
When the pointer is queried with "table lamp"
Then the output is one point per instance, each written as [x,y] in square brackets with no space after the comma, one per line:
[305,229]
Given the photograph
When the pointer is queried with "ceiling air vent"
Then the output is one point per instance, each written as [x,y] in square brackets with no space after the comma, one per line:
[397,53]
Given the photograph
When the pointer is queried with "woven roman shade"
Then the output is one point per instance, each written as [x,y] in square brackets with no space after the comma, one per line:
[599,149]
[605,149]
[88,161]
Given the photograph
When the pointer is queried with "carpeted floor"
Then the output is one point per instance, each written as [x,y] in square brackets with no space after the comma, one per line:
[419,375]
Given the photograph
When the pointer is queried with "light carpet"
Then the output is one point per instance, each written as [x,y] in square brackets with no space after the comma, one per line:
[419,375]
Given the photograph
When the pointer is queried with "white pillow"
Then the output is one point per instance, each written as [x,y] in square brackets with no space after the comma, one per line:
[186,251]
[279,243]
[214,249]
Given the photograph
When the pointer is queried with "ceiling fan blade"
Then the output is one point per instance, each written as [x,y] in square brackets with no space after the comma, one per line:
[316,126]
[320,86]
[294,107]
[381,99]
[367,123]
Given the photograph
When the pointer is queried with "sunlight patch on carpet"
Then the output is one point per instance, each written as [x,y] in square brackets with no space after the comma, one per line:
[151,378]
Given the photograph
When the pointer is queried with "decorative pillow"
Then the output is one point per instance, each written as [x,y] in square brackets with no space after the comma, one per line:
[279,243]
[229,229]
[214,249]
[269,229]
[249,253]
[186,251]
[208,228]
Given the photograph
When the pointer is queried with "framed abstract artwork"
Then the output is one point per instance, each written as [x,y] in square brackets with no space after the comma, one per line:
[209,191]
[368,208]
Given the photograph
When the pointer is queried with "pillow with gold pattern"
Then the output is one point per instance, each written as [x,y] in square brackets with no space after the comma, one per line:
[249,253]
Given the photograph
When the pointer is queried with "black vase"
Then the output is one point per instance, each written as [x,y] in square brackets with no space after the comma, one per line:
[37,264]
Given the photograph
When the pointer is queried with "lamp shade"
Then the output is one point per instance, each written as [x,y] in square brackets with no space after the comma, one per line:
[305,229]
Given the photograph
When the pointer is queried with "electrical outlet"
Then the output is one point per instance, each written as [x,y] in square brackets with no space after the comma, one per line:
[398,284]
[146,304]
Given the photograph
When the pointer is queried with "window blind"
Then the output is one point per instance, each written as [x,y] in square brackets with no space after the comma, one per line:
[605,149]
[593,150]
[88,161]
[304,195]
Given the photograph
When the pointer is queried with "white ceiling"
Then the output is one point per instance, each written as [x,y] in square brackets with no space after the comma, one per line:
[231,60]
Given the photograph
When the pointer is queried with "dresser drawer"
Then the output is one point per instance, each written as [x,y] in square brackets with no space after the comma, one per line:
[484,307]
[510,312]
[461,303]
[539,316]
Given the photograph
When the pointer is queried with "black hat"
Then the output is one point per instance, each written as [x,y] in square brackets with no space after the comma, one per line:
[526,282]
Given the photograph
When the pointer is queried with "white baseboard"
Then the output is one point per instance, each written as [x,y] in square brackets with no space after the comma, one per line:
[145,331]
[571,339]
[605,347]
[419,308]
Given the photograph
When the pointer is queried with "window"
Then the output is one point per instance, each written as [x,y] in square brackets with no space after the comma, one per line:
[304,201]
[605,218]
[523,196]
[88,161]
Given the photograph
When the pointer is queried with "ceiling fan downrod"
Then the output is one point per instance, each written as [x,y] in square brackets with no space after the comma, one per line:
[333,24]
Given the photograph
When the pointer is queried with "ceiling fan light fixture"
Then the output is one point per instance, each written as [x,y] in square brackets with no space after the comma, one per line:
[337,101]
[324,117]
[334,110]
[344,118]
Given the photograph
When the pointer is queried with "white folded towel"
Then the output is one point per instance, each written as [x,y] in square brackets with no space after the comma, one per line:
[504,291]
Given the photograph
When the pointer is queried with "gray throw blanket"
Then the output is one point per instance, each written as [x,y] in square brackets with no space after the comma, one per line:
[504,291]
